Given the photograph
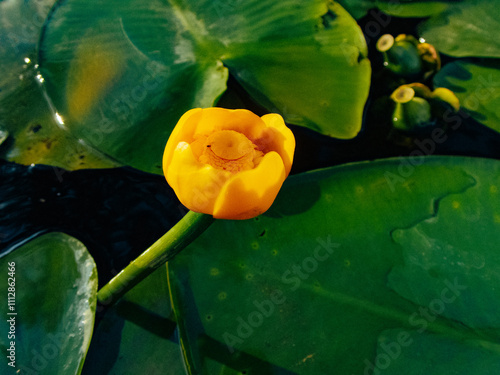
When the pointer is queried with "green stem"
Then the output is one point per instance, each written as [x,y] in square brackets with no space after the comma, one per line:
[168,246]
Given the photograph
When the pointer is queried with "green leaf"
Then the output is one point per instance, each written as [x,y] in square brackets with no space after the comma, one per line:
[55,299]
[391,264]
[283,74]
[465,29]
[135,68]
[33,136]
[357,8]
[402,8]
[29,133]
[20,26]
[467,358]
[137,335]
[477,86]
[410,8]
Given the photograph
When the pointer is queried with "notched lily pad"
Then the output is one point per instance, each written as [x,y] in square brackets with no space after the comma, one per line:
[136,68]
[441,264]
[326,289]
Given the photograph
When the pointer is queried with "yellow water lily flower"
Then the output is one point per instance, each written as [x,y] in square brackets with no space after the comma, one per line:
[228,163]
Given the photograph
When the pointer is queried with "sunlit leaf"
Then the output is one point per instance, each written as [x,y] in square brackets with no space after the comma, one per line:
[121,74]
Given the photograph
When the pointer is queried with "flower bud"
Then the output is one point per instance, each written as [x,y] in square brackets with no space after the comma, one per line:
[447,96]
[407,57]
[431,62]
[417,107]
[411,113]
[228,163]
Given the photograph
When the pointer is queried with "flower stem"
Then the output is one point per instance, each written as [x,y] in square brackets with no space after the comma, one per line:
[168,246]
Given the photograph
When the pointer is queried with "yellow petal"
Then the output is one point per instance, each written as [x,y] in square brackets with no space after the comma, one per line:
[240,120]
[196,185]
[447,96]
[182,133]
[250,193]
[282,139]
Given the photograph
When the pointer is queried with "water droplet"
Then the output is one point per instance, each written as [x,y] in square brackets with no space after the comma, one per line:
[59,119]
[4,134]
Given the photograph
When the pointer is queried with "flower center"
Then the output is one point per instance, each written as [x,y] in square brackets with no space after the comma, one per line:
[229,144]
[230,151]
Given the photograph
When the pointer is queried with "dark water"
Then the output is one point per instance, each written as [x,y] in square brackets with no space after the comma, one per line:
[116,213]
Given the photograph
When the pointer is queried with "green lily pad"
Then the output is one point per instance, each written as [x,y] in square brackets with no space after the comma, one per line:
[465,29]
[466,357]
[402,8]
[411,8]
[32,135]
[29,133]
[477,86]
[357,8]
[20,26]
[137,335]
[377,266]
[52,316]
[135,68]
